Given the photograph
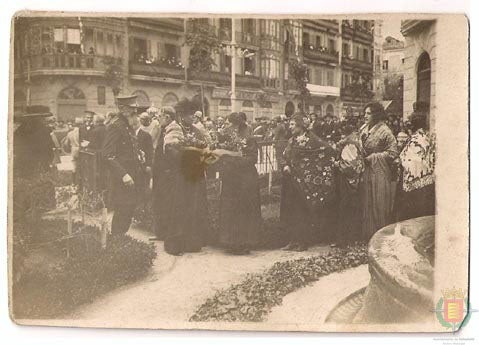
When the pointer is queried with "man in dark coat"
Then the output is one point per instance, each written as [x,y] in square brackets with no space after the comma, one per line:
[97,134]
[145,145]
[123,158]
[87,128]
[32,142]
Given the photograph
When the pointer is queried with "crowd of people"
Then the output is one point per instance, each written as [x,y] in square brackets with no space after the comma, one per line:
[341,180]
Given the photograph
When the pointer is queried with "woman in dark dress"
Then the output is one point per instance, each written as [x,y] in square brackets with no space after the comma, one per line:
[163,177]
[350,165]
[186,213]
[308,191]
[240,207]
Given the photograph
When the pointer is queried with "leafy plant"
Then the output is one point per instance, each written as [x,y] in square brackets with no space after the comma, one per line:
[88,272]
[203,42]
[299,72]
[113,73]
[360,86]
[257,294]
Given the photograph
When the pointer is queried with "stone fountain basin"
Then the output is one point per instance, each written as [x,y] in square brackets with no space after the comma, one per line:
[402,273]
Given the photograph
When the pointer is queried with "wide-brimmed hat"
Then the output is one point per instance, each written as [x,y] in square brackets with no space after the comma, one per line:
[34,111]
[127,100]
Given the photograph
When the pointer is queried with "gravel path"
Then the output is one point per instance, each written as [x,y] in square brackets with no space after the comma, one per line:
[175,287]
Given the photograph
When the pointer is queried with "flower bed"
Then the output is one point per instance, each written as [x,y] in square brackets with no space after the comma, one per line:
[53,284]
[254,297]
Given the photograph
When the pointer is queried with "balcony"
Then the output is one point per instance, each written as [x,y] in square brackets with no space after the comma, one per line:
[247,38]
[348,94]
[320,54]
[156,70]
[62,64]
[224,79]
[271,83]
[356,31]
[248,81]
[358,64]
[323,90]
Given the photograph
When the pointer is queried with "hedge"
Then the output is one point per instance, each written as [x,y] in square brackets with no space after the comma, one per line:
[89,271]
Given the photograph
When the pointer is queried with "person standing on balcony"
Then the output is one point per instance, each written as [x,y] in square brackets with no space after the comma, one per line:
[124,160]
[240,207]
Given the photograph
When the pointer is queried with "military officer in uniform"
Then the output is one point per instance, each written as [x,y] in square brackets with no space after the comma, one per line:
[124,161]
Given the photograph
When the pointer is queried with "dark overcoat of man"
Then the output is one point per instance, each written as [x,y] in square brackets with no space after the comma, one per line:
[123,159]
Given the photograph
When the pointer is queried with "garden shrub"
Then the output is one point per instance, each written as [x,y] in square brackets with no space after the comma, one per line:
[88,272]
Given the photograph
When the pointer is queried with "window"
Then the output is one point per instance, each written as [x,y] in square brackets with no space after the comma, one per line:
[172,51]
[346,49]
[365,55]
[109,44]
[73,41]
[402,60]
[318,41]
[100,45]
[225,29]
[248,104]
[317,76]
[385,65]
[225,63]
[424,81]
[88,42]
[248,66]
[270,68]
[101,91]
[59,40]
[140,51]
[330,78]
[248,26]
[305,39]
[332,45]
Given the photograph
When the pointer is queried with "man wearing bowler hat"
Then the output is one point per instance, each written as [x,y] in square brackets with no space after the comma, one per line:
[124,160]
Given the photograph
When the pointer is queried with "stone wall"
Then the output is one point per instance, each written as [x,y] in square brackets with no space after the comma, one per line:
[423,40]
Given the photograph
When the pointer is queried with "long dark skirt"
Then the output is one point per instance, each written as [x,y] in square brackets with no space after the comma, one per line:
[296,217]
[417,203]
[163,191]
[240,221]
[186,213]
[349,212]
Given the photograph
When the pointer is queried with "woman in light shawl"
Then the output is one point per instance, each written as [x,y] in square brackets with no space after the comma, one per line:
[377,189]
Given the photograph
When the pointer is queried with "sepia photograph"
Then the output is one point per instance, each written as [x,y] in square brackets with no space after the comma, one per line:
[239,172]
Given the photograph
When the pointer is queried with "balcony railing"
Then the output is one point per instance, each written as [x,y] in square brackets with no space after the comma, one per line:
[320,53]
[355,63]
[224,34]
[247,38]
[271,83]
[156,70]
[71,62]
[357,31]
[223,78]
[248,81]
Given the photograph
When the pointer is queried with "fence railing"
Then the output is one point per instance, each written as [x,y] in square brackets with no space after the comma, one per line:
[268,152]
